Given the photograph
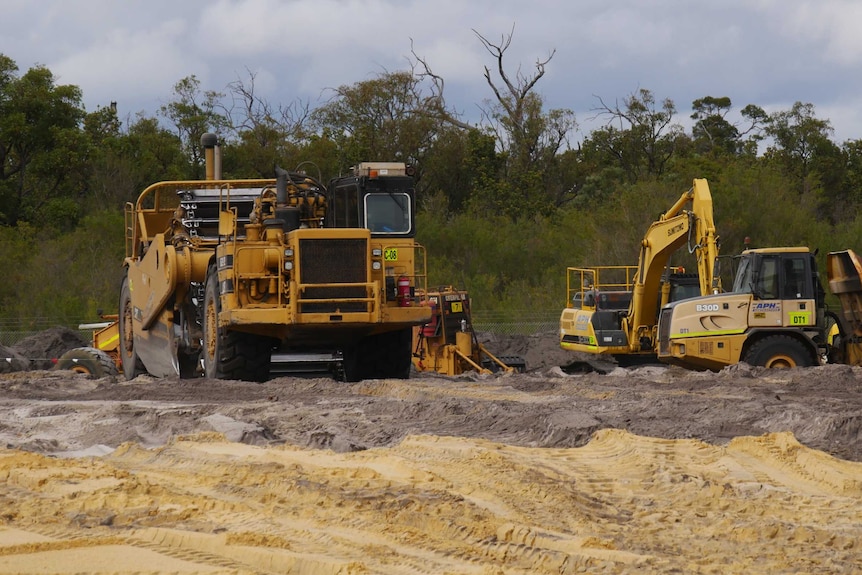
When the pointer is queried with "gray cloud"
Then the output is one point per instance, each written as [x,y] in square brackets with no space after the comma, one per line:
[765,52]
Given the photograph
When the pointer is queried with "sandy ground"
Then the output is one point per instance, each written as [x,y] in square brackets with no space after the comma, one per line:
[647,470]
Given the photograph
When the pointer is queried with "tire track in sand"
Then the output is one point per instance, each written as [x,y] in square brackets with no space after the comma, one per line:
[431,504]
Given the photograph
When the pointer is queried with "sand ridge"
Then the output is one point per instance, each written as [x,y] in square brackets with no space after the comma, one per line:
[647,470]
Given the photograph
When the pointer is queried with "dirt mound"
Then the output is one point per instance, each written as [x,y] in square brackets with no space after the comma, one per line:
[46,346]
[540,351]
[645,470]
[11,360]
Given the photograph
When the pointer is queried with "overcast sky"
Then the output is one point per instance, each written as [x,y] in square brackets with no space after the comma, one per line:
[771,53]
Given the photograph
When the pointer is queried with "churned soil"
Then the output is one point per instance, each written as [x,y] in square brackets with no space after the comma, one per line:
[649,469]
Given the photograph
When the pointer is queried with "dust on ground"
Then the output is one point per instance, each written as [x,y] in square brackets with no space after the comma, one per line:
[652,469]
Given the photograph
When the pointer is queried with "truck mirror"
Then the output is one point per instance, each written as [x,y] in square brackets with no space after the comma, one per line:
[226,223]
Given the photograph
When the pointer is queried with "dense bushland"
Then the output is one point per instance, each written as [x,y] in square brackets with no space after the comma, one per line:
[505,204]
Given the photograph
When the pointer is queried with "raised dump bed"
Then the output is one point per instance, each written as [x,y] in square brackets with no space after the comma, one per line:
[844,271]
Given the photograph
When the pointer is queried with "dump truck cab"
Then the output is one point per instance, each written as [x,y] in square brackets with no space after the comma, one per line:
[774,316]
[376,195]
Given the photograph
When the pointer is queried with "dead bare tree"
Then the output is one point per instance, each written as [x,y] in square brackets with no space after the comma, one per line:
[515,97]
[435,103]
[527,137]
[251,114]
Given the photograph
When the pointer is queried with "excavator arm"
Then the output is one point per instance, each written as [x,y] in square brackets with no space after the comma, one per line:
[706,248]
[675,228]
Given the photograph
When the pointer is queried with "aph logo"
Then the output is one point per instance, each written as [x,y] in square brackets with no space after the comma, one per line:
[767,306]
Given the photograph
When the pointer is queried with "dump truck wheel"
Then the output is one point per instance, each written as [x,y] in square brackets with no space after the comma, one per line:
[358,360]
[386,355]
[779,352]
[89,360]
[389,355]
[399,354]
[351,364]
[132,364]
[231,354]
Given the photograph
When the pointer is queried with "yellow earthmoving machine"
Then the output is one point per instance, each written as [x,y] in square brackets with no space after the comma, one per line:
[245,279]
[448,344]
[612,311]
[102,358]
[775,315]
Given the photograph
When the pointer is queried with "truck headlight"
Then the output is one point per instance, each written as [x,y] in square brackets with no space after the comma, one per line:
[288,266]
[376,266]
[376,252]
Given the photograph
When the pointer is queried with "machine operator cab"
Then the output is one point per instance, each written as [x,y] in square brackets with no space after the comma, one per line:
[376,195]
[785,287]
[778,274]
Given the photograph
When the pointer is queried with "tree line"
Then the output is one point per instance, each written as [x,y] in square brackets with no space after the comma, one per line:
[506,202]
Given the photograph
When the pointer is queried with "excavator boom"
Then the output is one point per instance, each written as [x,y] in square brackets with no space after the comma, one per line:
[674,229]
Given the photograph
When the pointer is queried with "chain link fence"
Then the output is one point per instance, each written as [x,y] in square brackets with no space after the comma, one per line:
[14,330]
[527,322]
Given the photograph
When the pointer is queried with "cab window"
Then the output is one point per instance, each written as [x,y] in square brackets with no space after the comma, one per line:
[388,213]
[795,286]
[767,283]
[744,281]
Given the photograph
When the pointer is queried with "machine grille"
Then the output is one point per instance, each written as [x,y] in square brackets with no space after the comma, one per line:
[333,261]
[664,331]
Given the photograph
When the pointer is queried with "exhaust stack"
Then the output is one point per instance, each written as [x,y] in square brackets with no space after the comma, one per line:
[212,156]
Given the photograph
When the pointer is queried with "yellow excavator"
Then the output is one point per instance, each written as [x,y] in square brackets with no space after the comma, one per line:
[612,311]
[448,344]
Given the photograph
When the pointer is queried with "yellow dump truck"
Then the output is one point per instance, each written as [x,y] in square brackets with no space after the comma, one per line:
[775,315]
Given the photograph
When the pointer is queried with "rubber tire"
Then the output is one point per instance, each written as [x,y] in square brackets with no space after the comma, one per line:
[399,354]
[352,368]
[231,354]
[89,360]
[189,365]
[131,364]
[779,352]
[384,356]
